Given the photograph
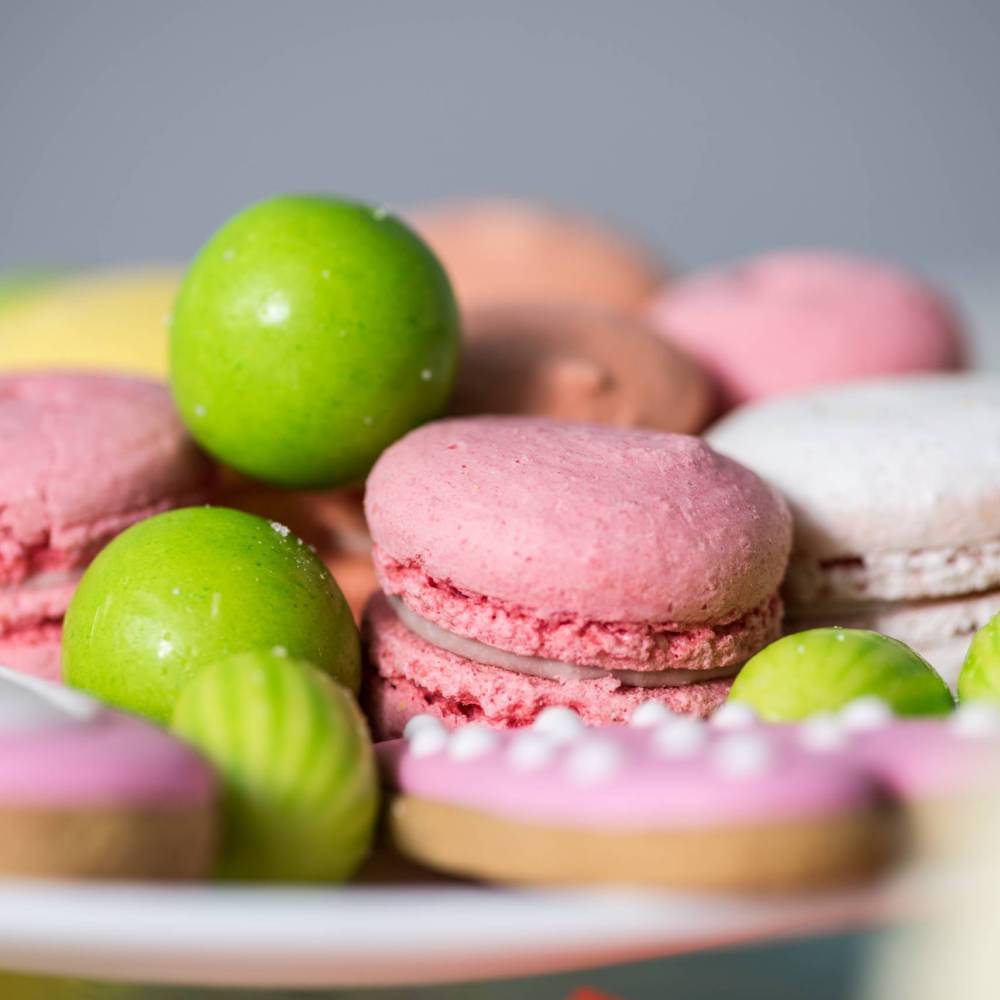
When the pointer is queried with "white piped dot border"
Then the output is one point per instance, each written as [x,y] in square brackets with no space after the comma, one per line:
[734,715]
[560,724]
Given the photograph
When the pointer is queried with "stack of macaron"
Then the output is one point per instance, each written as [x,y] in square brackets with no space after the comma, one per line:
[894,485]
[83,457]
[526,563]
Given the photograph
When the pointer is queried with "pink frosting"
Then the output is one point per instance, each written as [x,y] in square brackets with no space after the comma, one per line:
[83,457]
[598,523]
[765,772]
[789,321]
[647,788]
[411,676]
[61,749]
[926,759]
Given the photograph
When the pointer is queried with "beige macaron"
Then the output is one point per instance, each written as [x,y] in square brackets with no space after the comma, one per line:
[505,251]
[578,364]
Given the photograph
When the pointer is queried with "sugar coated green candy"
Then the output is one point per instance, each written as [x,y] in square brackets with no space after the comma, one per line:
[297,764]
[980,677]
[824,669]
[194,586]
[309,334]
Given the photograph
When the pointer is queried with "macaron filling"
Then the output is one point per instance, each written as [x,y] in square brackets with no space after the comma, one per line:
[630,646]
[536,666]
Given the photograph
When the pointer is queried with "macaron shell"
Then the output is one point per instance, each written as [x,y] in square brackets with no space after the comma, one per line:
[887,465]
[503,251]
[538,514]
[85,456]
[34,650]
[578,364]
[787,321]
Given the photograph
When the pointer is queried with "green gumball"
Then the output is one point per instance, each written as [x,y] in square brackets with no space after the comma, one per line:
[824,669]
[194,586]
[297,764]
[980,676]
[308,335]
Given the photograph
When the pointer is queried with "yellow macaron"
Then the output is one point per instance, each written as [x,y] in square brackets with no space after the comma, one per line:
[113,320]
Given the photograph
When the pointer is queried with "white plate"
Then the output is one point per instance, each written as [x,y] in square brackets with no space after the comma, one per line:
[392,934]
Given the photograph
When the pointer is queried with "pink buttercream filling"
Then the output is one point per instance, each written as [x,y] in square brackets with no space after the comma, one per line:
[573,639]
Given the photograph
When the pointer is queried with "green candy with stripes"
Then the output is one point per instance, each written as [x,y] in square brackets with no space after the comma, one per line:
[297,764]
[824,669]
[980,677]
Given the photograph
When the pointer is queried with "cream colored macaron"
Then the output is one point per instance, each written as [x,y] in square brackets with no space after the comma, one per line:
[894,485]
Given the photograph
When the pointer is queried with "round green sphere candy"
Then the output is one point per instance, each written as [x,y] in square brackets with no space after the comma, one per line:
[309,334]
[194,586]
[980,676]
[824,669]
[298,768]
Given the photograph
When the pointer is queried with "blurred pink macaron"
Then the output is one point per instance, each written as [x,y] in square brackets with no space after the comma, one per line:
[526,563]
[503,251]
[789,321]
[82,458]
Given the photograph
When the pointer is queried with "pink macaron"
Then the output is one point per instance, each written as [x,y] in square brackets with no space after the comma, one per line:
[789,321]
[526,563]
[82,458]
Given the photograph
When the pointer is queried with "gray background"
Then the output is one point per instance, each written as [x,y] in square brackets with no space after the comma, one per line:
[129,129]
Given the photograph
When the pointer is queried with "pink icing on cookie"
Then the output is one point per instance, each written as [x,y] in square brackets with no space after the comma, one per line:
[673,771]
[60,748]
[625,777]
